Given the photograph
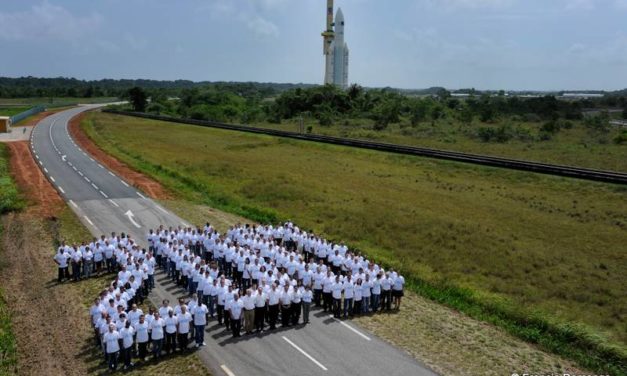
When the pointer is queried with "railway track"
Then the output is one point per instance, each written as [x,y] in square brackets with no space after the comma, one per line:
[516,164]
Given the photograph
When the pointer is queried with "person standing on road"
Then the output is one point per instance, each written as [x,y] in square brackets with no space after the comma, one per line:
[127,333]
[141,330]
[349,294]
[112,346]
[235,308]
[307,299]
[200,312]
[157,335]
[184,320]
[273,305]
[249,312]
[170,332]
[286,306]
[336,294]
[261,301]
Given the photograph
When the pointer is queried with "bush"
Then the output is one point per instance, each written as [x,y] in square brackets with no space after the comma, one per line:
[325,120]
[490,134]
[550,127]
[621,138]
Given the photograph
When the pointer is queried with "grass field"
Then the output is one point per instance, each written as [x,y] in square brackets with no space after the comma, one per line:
[528,242]
[575,146]
[11,111]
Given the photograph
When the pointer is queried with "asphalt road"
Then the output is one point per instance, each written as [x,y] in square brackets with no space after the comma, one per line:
[106,203]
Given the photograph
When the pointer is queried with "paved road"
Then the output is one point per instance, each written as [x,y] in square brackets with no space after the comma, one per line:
[105,203]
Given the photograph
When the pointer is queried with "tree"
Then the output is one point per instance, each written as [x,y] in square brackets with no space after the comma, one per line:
[138,99]
[625,113]
[466,115]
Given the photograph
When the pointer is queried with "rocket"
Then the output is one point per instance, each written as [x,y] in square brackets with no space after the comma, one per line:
[335,49]
[327,39]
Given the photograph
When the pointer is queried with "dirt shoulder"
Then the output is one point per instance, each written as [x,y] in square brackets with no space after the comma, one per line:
[137,179]
[43,198]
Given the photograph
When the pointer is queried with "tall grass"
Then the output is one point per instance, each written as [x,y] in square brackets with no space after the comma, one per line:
[538,256]
[9,196]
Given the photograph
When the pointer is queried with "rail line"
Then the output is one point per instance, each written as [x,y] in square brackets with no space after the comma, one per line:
[605,176]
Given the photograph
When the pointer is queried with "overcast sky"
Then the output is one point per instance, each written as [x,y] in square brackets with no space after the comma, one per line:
[486,44]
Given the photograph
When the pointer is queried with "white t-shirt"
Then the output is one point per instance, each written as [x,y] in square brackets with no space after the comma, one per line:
[236,307]
[170,324]
[142,332]
[111,341]
[200,314]
[184,320]
[157,328]
[127,336]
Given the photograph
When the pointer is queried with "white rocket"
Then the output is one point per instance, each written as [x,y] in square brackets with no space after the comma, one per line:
[335,49]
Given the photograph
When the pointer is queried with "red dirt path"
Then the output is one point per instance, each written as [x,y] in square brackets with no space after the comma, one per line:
[137,179]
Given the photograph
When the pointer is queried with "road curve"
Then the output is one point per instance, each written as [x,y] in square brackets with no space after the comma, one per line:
[105,203]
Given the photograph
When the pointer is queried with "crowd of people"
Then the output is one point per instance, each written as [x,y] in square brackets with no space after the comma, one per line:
[249,280]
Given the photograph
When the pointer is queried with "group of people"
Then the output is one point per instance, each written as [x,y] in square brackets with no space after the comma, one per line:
[250,279]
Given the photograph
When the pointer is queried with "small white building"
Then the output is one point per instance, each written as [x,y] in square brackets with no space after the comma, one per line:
[5,124]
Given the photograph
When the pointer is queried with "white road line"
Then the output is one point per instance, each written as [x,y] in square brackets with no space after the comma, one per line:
[351,328]
[85,154]
[185,224]
[141,195]
[51,178]
[101,166]
[69,163]
[114,203]
[87,179]
[41,164]
[304,353]
[111,173]
[88,220]
[80,173]
[92,159]
[162,209]
[227,370]
[45,169]
[104,194]
[36,156]
[123,182]
[94,185]
[61,189]
[74,168]
[73,204]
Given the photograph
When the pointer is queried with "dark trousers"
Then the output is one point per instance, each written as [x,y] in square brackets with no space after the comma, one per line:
[113,360]
[236,326]
[337,305]
[348,307]
[127,354]
[76,271]
[357,307]
[220,313]
[286,315]
[170,342]
[317,297]
[386,299]
[183,340]
[62,274]
[143,349]
[273,315]
[327,301]
[260,316]
[295,313]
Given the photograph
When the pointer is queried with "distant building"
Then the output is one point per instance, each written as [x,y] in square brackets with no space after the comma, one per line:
[335,49]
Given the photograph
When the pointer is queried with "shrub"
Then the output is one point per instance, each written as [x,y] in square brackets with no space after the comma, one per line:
[490,134]
[621,138]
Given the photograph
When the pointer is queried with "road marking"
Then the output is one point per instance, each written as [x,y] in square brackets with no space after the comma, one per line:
[80,173]
[351,328]
[131,216]
[88,220]
[101,166]
[123,182]
[85,154]
[36,156]
[227,370]
[185,224]
[45,169]
[74,168]
[111,173]
[87,179]
[304,353]
[92,159]
[162,209]
[104,194]
[41,164]
[61,189]
[51,178]
[114,203]
[94,185]
[73,204]
[141,195]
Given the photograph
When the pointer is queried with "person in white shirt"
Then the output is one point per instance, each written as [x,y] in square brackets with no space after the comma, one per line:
[349,294]
[88,262]
[397,291]
[249,312]
[260,309]
[376,293]
[307,299]
[358,298]
[273,305]
[286,305]
[235,308]
[156,327]
[184,322]
[336,294]
[60,258]
[386,292]
[170,332]
[142,337]
[127,335]
[366,292]
[112,346]
[200,312]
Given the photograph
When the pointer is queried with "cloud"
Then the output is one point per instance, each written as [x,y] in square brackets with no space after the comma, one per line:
[46,21]
[249,13]
[581,4]
[473,4]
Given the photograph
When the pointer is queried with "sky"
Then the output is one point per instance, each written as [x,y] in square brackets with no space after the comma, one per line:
[485,44]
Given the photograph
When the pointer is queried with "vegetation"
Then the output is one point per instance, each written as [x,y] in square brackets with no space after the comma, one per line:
[538,256]
[11,111]
[9,196]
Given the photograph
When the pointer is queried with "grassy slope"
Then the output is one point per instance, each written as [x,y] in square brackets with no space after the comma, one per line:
[575,146]
[541,242]
[9,200]
[11,111]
